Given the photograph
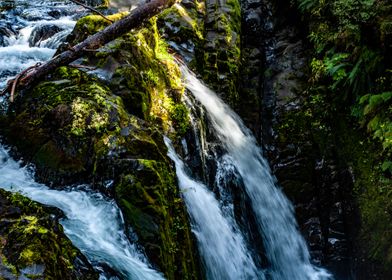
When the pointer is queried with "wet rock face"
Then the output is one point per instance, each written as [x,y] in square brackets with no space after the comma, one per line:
[33,245]
[6,31]
[182,26]
[208,35]
[222,53]
[301,157]
[253,38]
[41,33]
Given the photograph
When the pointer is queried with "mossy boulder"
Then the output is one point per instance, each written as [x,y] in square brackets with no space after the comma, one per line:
[144,196]
[208,36]
[56,124]
[182,26]
[108,131]
[33,244]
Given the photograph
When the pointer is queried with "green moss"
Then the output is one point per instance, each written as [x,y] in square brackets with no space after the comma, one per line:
[373,192]
[91,24]
[222,51]
[151,203]
[152,82]
[33,237]
[180,116]
[185,19]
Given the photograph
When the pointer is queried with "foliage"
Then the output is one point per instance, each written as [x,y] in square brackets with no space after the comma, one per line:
[352,44]
[351,77]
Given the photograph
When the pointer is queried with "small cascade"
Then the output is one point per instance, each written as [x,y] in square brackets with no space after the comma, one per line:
[93,222]
[285,248]
[221,244]
[33,33]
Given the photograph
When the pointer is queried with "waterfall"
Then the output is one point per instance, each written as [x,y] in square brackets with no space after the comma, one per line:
[221,244]
[93,222]
[285,248]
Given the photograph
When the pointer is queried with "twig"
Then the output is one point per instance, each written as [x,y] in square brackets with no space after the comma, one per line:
[91,9]
[83,66]
[15,81]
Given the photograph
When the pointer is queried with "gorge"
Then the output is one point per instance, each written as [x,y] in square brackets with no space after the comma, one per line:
[126,164]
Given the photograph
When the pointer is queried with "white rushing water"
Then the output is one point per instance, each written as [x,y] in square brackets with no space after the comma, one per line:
[17,52]
[285,248]
[221,244]
[93,222]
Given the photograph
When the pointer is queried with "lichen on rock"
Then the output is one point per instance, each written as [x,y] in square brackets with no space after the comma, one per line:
[33,244]
[208,35]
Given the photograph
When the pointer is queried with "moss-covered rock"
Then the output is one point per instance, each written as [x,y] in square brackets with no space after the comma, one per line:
[222,53]
[144,196]
[33,244]
[183,27]
[57,132]
[77,128]
[207,34]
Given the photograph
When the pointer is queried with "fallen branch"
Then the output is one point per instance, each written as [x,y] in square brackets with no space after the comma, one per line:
[20,75]
[91,9]
[135,19]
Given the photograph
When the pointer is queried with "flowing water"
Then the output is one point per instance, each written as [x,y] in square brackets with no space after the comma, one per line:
[221,244]
[285,248]
[24,29]
[92,222]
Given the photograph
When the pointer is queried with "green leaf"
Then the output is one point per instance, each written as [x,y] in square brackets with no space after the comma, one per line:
[386,166]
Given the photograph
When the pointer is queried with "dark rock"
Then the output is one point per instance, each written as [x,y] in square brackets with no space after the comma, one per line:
[41,33]
[6,31]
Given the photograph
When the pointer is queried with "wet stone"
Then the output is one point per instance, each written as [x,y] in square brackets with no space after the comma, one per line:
[41,33]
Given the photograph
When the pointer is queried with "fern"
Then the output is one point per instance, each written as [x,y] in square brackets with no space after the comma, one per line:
[307,5]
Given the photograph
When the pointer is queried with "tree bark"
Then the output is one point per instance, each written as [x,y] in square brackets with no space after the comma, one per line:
[113,31]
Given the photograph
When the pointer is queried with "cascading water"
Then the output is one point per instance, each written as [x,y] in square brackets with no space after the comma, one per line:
[285,248]
[93,222]
[221,244]
[17,50]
